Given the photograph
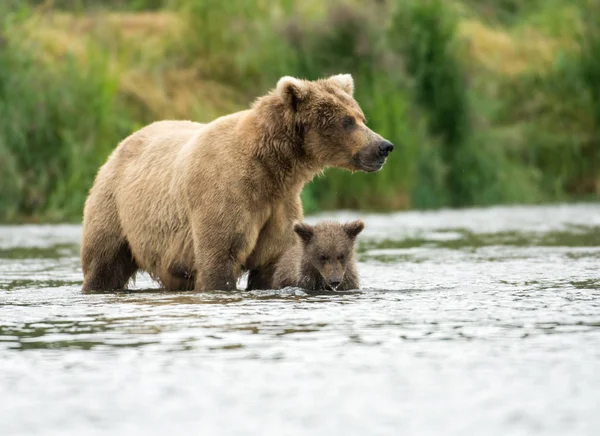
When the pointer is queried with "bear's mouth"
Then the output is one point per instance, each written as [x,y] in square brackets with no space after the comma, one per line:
[370,167]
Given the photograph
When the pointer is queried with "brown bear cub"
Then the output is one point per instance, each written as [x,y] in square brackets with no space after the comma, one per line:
[321,259]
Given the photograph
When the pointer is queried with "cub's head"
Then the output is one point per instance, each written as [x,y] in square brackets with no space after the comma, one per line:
[329,248]
[331,122]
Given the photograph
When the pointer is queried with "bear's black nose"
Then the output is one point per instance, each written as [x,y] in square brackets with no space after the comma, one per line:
[334,283]
[385,148]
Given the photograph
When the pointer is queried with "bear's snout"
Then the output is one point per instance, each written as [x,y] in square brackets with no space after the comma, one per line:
[373,155]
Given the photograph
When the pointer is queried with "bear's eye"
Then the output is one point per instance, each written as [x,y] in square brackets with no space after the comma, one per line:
[341,257]
[348,122]
[323,258]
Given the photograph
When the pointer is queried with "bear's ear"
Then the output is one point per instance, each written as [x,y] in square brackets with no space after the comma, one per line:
[292,91]
[353,228]
[344,81]
[305,231]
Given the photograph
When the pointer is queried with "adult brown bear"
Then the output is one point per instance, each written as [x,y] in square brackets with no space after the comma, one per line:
[196,204]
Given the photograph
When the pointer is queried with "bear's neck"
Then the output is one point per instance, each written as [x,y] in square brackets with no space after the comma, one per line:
[280,149]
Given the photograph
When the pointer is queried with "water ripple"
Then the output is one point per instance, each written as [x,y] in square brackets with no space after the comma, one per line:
[481,321]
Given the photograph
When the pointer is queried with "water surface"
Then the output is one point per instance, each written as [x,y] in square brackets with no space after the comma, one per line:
[480,321]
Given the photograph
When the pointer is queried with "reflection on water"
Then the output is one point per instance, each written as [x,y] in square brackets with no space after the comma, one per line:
[483,321]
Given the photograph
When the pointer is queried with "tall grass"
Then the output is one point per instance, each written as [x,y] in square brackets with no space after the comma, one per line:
[82,5]
[560,127]
[424,32]
[463,135]
[58,122]
[589,59]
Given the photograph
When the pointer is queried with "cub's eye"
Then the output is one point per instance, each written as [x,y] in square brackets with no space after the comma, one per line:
[341,257]
[323,258]
[349,122]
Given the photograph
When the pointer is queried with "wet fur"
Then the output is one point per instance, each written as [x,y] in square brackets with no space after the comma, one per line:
[300,266]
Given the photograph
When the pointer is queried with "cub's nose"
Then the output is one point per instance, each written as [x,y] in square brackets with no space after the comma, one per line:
[385,148]
[334,283]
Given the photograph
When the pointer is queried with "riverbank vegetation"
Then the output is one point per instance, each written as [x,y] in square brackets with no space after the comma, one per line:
[487,101]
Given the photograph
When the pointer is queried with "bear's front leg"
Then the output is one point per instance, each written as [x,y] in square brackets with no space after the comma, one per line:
[218,263]
[220,248]
[216,278]
[274,239]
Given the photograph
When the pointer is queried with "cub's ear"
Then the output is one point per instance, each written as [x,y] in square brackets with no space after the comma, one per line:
[353,228]
[344,81]
[292,91]
[305,231]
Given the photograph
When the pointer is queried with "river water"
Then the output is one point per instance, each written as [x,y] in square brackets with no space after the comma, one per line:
[478,321]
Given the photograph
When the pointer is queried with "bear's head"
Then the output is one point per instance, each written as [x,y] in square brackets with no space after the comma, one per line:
[328,248]
[332,125]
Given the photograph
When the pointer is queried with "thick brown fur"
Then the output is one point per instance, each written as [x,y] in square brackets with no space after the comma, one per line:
[322,258]
[195,204]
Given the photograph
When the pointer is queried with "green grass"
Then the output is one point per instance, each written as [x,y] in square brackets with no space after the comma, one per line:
[58,122]
[463,136]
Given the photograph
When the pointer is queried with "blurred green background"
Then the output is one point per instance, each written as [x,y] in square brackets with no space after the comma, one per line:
[488,102]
